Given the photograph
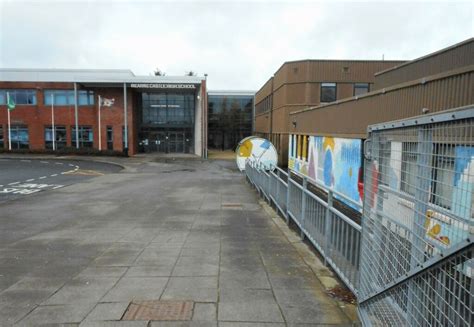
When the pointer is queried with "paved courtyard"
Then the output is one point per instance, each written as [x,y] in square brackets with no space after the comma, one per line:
[190,234]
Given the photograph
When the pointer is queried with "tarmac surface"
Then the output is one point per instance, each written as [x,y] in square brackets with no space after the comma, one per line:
[22,177]
[190,235]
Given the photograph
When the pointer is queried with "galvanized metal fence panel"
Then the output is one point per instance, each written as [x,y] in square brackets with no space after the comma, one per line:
[333,234]
[417,232]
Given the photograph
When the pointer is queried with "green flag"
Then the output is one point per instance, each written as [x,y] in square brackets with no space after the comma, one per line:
[10,103]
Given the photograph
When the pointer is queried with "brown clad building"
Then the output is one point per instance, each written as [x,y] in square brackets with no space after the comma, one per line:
[438,81]
[301,84]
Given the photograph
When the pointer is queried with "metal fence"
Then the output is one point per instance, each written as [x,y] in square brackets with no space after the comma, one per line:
[332,233]
[417,227]
[411,263]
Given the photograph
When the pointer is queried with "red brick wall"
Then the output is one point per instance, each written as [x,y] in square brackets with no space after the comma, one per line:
[38,116]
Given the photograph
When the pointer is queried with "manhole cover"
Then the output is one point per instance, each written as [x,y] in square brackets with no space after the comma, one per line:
[159,310]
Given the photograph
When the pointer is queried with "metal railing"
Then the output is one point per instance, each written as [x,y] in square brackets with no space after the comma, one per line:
[418,223]
[333,234]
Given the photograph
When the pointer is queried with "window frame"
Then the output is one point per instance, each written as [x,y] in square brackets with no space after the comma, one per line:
[69,97]
[16,144]
[13,93]
[356,87]
[83,143]
[60,143]
[327,85]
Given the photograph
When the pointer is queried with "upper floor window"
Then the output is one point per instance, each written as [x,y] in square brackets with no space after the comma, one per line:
[66,97]
[361,88]
[328,92]
[19,96]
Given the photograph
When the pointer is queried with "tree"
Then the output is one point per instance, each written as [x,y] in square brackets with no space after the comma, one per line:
[158,72]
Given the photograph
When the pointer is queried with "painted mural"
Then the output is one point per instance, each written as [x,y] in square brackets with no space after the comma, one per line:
[335,162]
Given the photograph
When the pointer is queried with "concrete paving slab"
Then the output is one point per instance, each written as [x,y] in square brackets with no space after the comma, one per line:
[82,290]
[136,288]
[157,270]
[108,311]
[205,312]
[249,305]
[57,314]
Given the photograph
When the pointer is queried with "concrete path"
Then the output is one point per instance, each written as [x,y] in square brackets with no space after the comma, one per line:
[184,231]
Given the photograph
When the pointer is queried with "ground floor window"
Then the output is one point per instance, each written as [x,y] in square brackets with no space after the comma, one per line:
[1,138]
[86,136]
[110,138]
[59,135]
[19,137]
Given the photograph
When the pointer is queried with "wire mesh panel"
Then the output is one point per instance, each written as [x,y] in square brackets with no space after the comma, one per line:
[418,206]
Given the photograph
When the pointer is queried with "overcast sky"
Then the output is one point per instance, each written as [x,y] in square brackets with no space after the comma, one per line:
[238,44]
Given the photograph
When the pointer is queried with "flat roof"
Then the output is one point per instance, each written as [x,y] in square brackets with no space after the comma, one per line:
[231,92]
[88,76]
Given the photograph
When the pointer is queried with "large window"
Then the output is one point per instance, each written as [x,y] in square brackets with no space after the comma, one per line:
[361,88]
[66,97]
[19,137]
[86,137]
[230,120]
[59,136]
[328,92]
[170,109]
[19,96]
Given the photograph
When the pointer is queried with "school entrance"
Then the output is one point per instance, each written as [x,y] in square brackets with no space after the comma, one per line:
[167,122]
[166,141]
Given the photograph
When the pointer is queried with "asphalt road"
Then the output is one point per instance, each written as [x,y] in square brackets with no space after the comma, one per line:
[21,178]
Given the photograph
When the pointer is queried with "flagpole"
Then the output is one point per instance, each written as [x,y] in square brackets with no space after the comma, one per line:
[100,138]
[52,121]
[9,129]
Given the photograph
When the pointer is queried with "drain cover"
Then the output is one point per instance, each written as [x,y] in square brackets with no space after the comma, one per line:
[159,310]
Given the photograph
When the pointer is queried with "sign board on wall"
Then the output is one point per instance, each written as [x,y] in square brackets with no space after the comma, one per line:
[161,86]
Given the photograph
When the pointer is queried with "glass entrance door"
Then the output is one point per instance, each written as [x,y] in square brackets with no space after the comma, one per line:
[176,142]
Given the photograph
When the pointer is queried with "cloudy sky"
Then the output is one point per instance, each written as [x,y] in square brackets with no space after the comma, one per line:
[239,44]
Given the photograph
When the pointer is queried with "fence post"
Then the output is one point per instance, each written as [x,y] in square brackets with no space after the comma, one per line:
[328,227]
[287,215]
[303,206]
[424,151]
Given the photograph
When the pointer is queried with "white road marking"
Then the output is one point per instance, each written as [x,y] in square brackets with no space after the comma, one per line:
[42,177]
[14,183]
[26,160]
[54,175]
[30,180]
[58,163]
[71,165]
[45,162]
[58,186]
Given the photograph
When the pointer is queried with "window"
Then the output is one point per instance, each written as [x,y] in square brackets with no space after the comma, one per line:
[408,174]
[443,175]
[328,92]
[123,137]
[66,97]
[110,138]
[86,137]
[59,136]
[19,137]
[19,96]
[2,140]
[361,88]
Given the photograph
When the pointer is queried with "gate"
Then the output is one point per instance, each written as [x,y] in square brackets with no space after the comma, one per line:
[416,265]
